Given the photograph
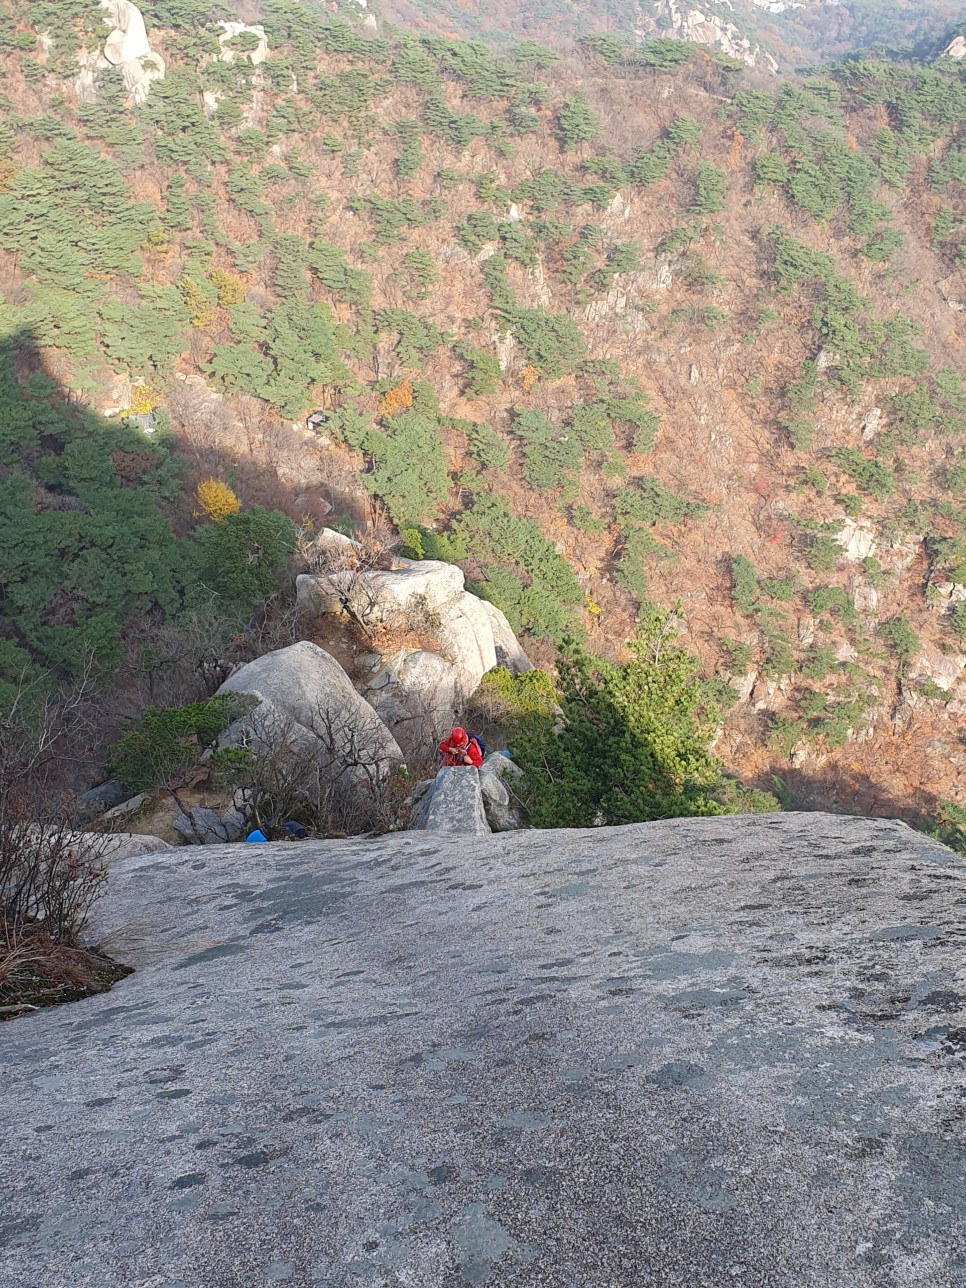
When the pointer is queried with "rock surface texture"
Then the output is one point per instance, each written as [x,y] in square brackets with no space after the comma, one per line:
[415,693]
[498,777]
[710,29]
[111,847]
[128,48]
[454,806]
[410,691]
[687,1054]
[310,688]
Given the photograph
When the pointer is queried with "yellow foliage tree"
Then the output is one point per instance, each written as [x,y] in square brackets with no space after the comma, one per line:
[231,289]
[143,400]
[199,310]
[529,377]
[157,241]
[396,400]
[216,500]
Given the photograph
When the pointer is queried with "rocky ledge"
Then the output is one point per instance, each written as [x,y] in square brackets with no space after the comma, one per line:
[702,1052]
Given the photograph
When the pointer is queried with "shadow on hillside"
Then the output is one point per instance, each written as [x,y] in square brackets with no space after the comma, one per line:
[842,789]
[94,517]
[66,526]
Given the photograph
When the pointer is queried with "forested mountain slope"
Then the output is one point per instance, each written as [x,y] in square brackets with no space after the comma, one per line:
[602,328]
[770,33]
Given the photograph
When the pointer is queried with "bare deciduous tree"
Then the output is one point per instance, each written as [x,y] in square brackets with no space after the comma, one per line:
[347,568]
[49,875]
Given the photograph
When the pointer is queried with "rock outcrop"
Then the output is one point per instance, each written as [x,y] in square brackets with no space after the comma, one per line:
[415,693]
[703,28]
[428,598]
[509,650]
[413,591]
[205,826]
[454,806]
[953,291]
[858,540]
[703,1052]
[308,688]
[256,55]
[110,847]
[498,777]
[957,49]
[99,799]
[128,49]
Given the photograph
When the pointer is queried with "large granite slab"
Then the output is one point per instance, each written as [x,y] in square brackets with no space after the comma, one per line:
[697,1053]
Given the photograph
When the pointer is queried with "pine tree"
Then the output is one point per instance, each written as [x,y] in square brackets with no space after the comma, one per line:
[177,212]
[576,123]
[632,742]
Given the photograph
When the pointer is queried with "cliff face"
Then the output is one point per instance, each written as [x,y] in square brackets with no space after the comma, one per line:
[696,1052]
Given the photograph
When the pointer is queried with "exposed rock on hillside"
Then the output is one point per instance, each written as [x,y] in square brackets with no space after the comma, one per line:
[128,49]
[953,291]
[310,688]
[111,847]
[682,321]
[231,31]
[416,691]
[98,800]
[701,28]
[498,775]
[203,826]
[696,1052]
[454,806]
[858,540]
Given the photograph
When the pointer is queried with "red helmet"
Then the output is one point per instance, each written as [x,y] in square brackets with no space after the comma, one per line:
[460,737]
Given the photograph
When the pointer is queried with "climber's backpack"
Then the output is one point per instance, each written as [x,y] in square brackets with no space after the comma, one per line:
[475,737]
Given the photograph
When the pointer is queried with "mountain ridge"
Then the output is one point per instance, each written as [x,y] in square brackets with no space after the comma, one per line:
[774,35]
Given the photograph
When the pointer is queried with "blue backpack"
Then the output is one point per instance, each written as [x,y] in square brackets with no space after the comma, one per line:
[475,737]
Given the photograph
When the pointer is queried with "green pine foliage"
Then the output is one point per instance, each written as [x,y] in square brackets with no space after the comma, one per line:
[410,471]
[285,358]
[551,454]
[650,503]
[520,570]
[870,476]
[744,585]
[633,740]
[576,123]
[165,745]
[289,244]
[483,375]
[486,447]
[241,561]
[85,541]
[902,639]
[711,197]
[416,338]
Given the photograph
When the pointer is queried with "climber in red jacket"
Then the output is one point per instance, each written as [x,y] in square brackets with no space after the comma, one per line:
[462,749]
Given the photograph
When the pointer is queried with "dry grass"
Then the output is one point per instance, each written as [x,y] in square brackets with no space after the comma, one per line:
[50,875]
[37,970]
